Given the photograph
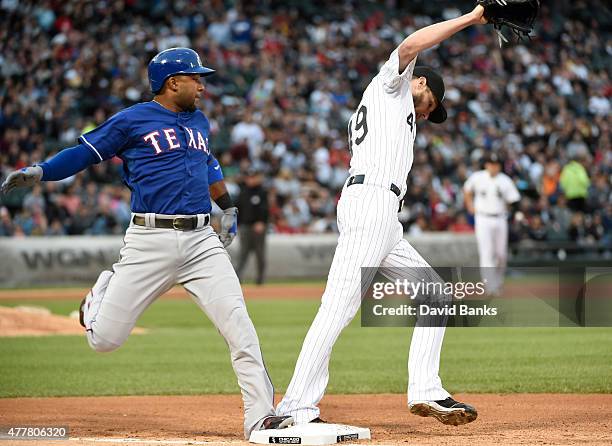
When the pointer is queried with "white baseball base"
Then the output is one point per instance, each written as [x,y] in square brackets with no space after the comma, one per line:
[315,434]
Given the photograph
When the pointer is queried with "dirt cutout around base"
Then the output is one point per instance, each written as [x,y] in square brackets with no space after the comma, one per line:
[39,321]
[517,419]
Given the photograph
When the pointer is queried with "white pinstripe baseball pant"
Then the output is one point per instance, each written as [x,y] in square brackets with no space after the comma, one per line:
[370,236]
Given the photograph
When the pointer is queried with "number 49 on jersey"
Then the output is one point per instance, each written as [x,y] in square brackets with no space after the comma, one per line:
[361,127]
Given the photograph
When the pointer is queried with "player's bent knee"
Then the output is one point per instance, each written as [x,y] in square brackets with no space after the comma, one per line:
[106,335]
[102,340]
[100,344]
[105,347]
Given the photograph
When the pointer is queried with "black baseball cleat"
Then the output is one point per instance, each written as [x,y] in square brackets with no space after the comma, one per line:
[446,411]
[318,420]
[274,422]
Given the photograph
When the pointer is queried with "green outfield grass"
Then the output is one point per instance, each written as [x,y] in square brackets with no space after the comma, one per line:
[183,354]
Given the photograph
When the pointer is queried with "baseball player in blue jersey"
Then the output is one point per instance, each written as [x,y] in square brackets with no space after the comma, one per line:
[168,166]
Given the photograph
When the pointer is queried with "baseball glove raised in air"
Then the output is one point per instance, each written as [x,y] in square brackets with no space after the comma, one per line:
[518,15]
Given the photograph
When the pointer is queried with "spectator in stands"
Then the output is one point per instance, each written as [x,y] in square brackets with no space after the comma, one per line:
[70,200]
[577,229]
[441,218]
[595,228]
[606,221]
[418,227]
[537,231]
[296,72]
[296,214]
[34,199]
[461,225]
[599,192]
[24,223]
[562,215]
[55,228]
[104,222]
[286,185]
[81,221]
[549,186]
[7,228]
[249,132]
[575,183]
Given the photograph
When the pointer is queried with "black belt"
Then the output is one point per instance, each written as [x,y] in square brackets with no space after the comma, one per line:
[490,215]
[359,179]
[176,223]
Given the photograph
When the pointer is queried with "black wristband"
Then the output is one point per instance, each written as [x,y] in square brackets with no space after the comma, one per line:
[224,201]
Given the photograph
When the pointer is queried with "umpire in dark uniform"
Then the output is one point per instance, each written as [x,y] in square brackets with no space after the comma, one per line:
[253,207]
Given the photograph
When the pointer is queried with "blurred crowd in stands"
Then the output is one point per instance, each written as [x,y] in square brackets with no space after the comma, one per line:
[289,76]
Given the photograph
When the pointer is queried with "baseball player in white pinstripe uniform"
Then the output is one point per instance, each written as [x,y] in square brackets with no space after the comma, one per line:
[488,193]
[381,137]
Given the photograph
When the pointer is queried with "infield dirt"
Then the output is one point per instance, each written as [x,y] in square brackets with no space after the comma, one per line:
[513,419]
[517,419]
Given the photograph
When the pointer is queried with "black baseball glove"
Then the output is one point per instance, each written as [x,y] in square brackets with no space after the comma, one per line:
[518,15]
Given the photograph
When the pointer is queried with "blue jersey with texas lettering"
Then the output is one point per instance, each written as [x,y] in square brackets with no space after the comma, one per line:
[166,157]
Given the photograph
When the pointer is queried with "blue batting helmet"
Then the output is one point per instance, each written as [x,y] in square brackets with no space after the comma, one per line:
[174,61]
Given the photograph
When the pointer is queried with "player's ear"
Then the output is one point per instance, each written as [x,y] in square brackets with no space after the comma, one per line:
[172,83]
[420,83]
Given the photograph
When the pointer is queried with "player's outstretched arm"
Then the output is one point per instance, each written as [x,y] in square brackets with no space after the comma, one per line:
[433,34]
[63,165]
